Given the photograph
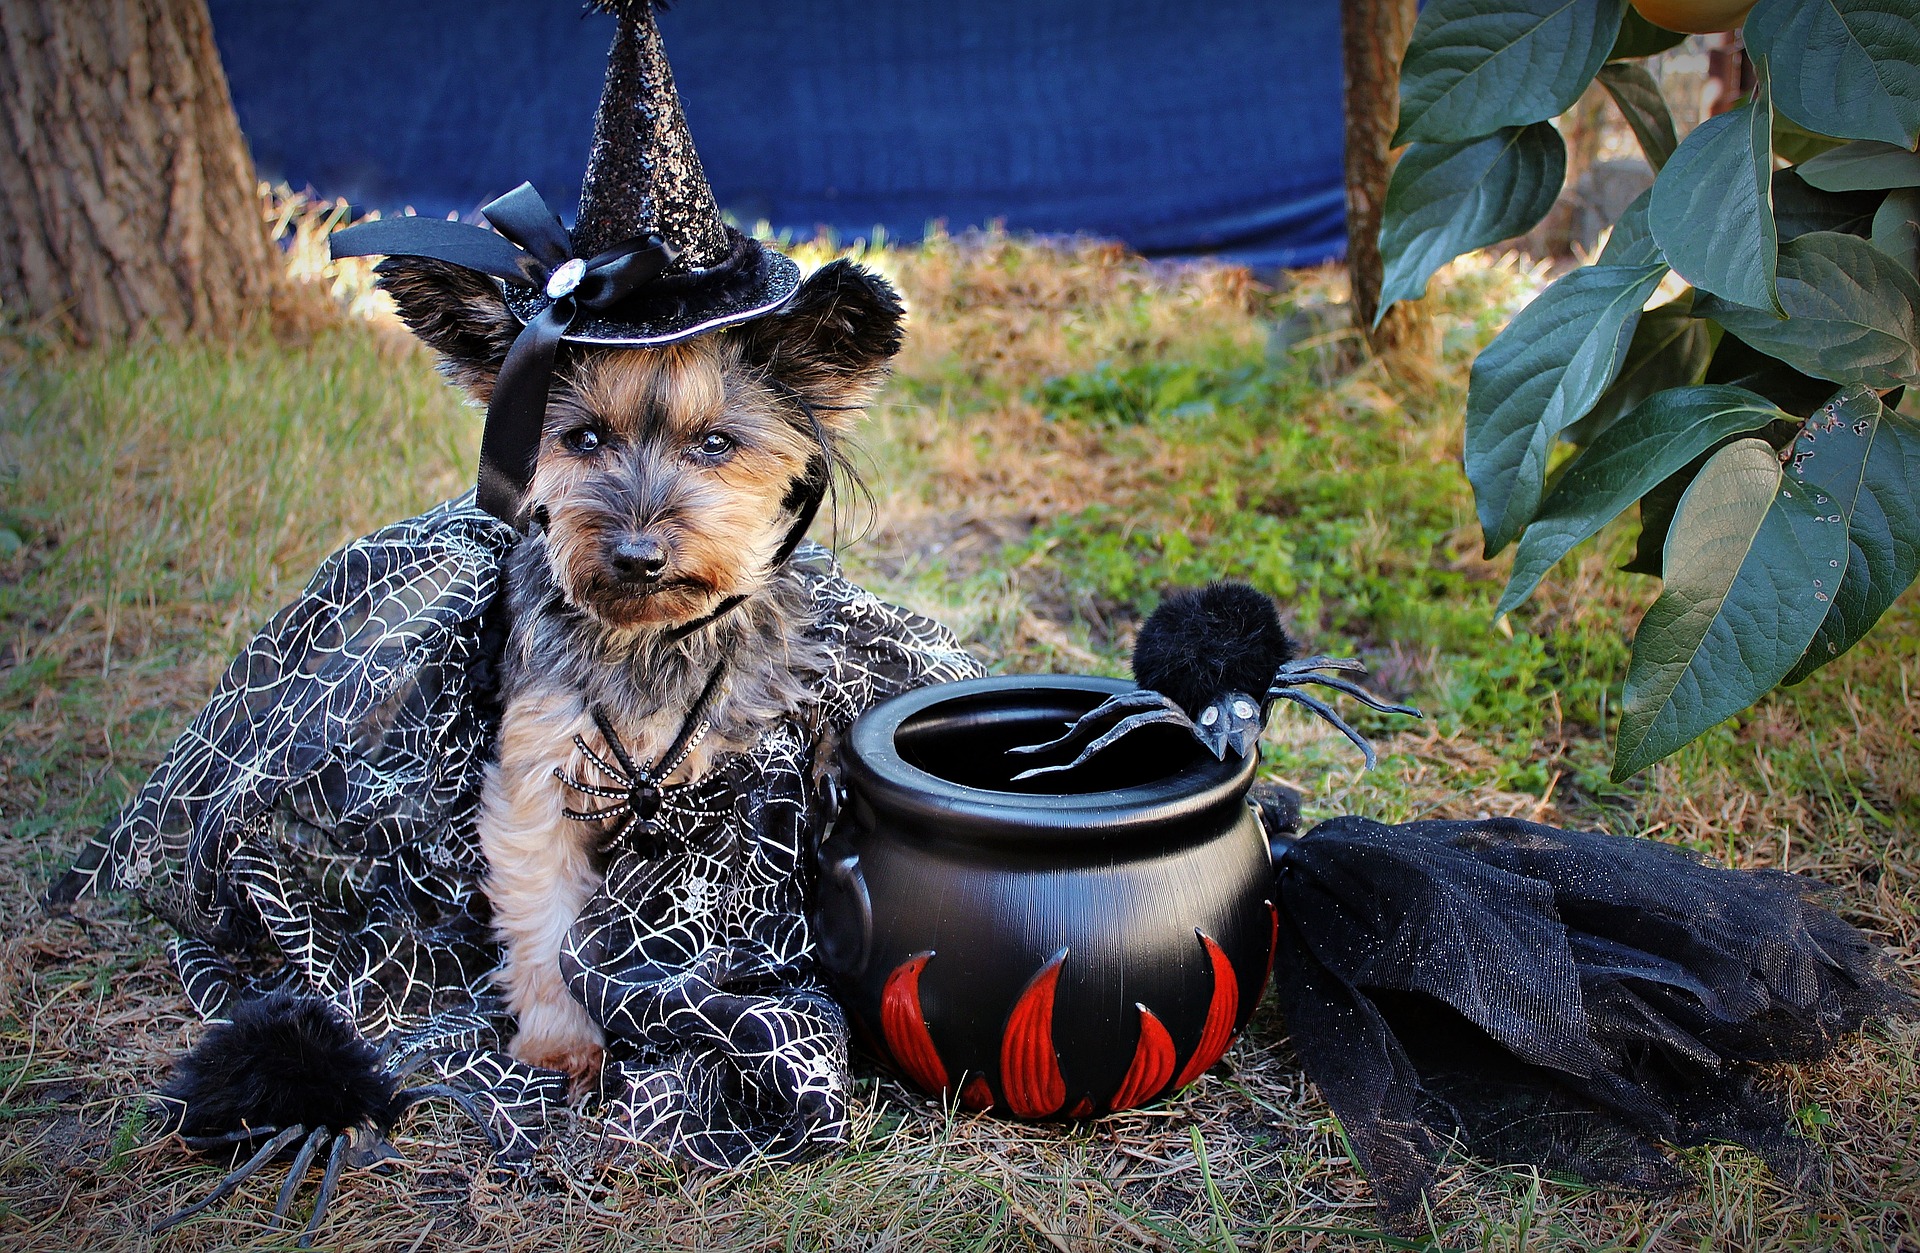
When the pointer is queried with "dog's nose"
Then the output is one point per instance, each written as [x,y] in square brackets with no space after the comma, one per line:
[639,559]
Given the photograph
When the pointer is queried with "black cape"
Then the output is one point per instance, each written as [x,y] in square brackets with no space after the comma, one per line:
[312,831]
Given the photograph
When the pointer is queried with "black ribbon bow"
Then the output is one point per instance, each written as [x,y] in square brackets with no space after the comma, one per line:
[531,250]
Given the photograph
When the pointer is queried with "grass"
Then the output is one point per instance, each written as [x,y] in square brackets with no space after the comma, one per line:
[1070,432]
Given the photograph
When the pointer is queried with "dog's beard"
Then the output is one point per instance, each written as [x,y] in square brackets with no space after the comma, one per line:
[626,607]
[704,572]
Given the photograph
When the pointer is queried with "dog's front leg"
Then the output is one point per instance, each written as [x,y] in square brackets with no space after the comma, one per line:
[540,874]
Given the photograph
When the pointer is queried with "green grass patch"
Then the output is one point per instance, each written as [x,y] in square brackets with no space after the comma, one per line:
[1070,434]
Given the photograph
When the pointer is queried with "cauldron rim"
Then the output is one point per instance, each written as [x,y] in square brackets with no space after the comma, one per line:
[878,776]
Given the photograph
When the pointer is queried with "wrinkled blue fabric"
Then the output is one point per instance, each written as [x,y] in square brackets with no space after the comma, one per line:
[1180,129]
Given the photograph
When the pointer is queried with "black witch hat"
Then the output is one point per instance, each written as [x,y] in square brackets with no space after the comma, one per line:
[649,261]
[645,179]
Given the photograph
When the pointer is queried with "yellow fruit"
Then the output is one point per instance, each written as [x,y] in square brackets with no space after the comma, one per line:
[1695,17]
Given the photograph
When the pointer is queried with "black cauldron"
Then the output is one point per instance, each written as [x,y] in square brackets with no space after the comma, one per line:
[1042,953]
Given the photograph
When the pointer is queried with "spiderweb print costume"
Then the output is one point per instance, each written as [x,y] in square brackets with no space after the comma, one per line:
[313,830]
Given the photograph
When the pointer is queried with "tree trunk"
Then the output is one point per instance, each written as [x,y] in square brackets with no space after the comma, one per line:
[127,197]
[1374,36]
[1730,71]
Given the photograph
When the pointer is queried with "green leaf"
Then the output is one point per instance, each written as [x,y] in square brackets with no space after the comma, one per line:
[1896,228]
[1854,314]
[1738,365]
[1656,517]
[1738,606]
[1670,348]
[1865,459]
[1640,38]
[1475,66]
[1627,461]
[1800,210]
[1795,143]
[1446,199]
[1712,207]
[1849,68]
[1631,242]
[1640,102]
[1863,165]
[1539,376]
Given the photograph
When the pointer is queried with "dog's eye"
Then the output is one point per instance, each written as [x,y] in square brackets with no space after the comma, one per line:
[584,439]
[716,445]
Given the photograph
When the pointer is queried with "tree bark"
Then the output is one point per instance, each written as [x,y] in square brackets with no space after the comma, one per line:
[1374,36]
[127,196]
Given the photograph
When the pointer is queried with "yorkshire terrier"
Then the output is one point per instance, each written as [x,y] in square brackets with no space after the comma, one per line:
[667,484]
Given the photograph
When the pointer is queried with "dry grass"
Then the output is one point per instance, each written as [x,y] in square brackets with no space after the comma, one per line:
[166,498]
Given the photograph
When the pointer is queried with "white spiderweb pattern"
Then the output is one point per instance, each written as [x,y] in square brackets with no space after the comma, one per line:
[313,830]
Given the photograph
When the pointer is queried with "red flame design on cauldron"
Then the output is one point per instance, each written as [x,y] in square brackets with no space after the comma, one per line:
[905,1026]
[977,1096]
[1152,1063]
[1029,1068]
[1218,1033]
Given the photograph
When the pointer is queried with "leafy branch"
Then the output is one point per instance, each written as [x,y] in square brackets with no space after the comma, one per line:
[1752,419]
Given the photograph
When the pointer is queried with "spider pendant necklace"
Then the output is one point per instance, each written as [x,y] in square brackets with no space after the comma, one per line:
[638,792]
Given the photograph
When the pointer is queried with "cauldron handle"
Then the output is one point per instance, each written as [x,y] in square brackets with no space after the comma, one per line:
[1278,811]
[843,914]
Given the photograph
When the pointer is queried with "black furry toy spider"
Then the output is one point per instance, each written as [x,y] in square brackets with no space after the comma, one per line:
[1214,662]
[290,1072]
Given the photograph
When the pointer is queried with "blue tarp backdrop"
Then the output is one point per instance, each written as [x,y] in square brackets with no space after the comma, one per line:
[1179,128]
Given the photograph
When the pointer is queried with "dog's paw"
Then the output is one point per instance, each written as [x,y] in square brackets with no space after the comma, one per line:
[579,1060]
[556,1033]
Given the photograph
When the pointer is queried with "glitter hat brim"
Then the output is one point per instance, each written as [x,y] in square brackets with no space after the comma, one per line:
[690,313]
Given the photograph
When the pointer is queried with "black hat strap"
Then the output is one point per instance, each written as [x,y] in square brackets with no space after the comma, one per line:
[532,249]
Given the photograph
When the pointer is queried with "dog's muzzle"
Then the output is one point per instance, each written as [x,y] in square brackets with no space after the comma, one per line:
[638,560]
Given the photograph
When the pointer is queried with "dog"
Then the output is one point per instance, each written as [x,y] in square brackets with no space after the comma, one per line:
[667,482]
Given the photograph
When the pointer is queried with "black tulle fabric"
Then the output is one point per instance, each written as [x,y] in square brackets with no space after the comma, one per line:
[1566,998]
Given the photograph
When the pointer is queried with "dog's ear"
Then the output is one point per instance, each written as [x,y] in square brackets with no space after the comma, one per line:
[457,312]
[831,343]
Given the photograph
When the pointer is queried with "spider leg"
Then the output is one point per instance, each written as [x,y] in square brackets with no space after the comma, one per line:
[595,815]
[1124,727]
[600,763]
[1087,725]
[1346,665]
[295,1172]
[225,1187]
[1326,711]
[465,1104]
[1359,693]
[668,789]
[620,835]
[207,1144]
[328,1181]
[588,789]
[618,749]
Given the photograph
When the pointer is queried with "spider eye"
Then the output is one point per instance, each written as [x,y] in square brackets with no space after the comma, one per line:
[716,445]
[582,439]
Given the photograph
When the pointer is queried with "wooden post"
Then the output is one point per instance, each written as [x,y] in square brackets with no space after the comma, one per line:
[1374,35]
[127,196]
